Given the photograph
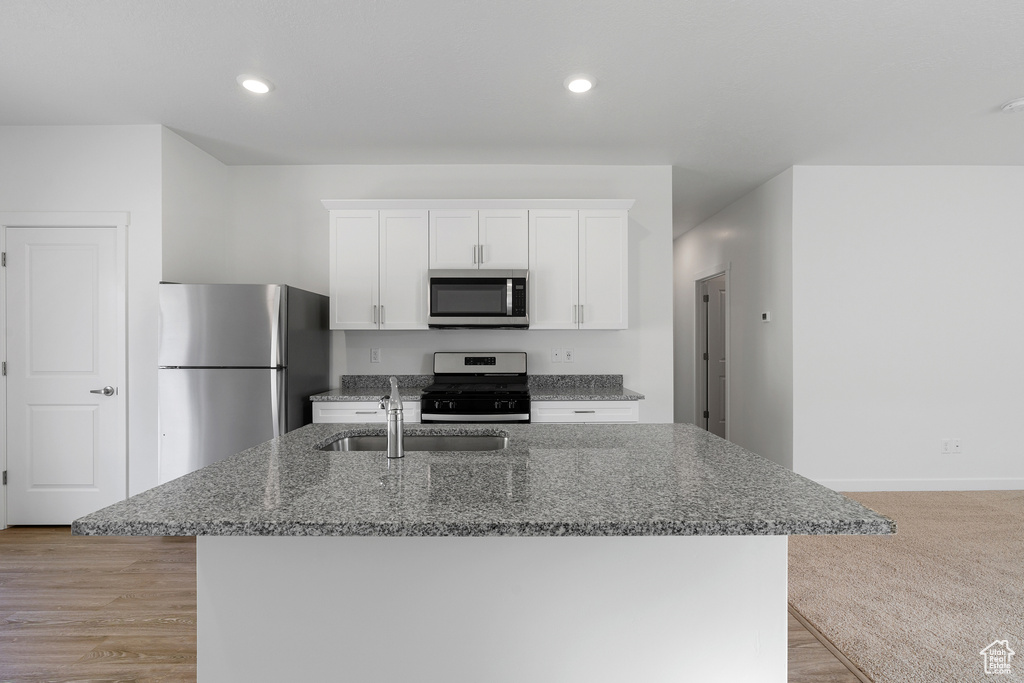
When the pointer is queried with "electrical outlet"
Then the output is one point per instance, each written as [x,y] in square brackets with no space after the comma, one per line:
[569,355]
[374,355]
[945,447]
[556,355]
[957,446]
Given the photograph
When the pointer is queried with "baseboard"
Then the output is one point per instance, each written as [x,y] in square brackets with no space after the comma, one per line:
[921,484]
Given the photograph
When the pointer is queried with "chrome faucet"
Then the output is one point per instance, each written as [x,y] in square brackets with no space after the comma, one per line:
[396,420]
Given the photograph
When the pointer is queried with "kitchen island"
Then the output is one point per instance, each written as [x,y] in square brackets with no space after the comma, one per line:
[577,553]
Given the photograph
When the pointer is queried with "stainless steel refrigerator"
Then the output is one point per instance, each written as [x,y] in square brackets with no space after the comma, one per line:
[237,366]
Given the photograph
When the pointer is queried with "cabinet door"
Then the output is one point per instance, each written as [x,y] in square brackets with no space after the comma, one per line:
[403,270]
[554,270]
[361,411]
[504,239]
[453,239]
[354,292]
[604,263]
[589,412]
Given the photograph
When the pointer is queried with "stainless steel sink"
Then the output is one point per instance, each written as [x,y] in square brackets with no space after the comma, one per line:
[421,442]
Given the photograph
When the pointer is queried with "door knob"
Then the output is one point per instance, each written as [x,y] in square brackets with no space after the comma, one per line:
[106,391]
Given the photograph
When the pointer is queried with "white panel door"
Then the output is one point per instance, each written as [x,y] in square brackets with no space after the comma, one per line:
[403,270]
[604,266]
[66,442]
[504,239]
[554,269]
[453,239]
[354,286]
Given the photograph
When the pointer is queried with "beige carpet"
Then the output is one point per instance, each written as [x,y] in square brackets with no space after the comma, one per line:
[920,605]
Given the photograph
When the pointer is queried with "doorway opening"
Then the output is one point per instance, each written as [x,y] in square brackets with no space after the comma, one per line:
[711,325]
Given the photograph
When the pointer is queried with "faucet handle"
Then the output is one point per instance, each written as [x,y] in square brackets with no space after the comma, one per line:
[384,402]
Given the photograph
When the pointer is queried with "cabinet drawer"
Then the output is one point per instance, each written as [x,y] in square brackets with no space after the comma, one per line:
[585,411]
[360,411]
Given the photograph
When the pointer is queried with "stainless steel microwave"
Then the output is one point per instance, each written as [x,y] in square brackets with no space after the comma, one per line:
[478,298]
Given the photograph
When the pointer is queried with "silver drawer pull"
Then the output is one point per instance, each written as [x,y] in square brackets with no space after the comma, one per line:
[584,411]
[366,412]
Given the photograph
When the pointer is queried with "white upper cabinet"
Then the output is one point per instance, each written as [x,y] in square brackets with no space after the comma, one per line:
[554,269]
[504,239]
[403,270]
[576,250]
[378,269]
[579,269]
[604,270]
[354,268]
[485,239]
[453,239]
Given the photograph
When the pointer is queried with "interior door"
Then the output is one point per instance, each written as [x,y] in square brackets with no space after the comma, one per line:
[716,311]
[66,393]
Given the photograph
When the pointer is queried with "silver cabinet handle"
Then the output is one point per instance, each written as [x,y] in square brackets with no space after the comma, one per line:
[106,391]
[375,314]
[581,314]
[382,314]
[366,412]
[475,251]
[574,314]
[481,247]
[584,411]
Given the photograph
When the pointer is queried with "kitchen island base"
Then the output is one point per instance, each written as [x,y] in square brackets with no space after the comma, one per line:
[495,609]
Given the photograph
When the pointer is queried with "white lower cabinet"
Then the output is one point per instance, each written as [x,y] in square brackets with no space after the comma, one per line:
[361,411]
[585,411]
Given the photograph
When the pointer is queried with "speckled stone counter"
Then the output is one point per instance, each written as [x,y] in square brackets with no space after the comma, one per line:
[542,388]
[372,387]
[552,480]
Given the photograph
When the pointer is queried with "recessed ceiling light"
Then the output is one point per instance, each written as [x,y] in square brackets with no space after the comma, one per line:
[255,84]
[579,83]
[1014,105]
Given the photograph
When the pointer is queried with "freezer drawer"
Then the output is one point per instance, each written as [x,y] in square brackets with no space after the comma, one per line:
[211,413]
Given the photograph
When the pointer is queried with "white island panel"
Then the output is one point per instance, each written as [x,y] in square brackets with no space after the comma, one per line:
[496,609]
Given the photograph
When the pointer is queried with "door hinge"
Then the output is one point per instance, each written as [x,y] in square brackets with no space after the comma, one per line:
[3,259]
[705,356]
[706,415]
[5,368]
[707,298]
[5,477]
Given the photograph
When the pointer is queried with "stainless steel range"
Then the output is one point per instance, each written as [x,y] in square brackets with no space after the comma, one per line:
[477,387]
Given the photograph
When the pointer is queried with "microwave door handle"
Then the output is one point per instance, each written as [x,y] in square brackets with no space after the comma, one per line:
[508,296]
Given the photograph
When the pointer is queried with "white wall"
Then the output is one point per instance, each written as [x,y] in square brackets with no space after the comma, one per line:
[908,313]
[753,238]
[281,235]
[195,213]
[103,168]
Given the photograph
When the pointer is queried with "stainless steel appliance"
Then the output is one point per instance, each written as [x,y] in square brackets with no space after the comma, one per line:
[237,366]
[477,387]
[478,298]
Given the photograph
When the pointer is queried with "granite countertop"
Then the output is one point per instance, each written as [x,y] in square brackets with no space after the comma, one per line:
[542,388]
[552,480]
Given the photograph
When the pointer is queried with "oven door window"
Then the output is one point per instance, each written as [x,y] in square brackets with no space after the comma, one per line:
[463,297]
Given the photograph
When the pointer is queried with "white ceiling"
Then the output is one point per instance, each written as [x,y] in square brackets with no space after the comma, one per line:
[729,92]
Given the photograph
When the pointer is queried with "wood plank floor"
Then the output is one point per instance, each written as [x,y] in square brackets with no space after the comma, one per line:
[77,608]
[80,608]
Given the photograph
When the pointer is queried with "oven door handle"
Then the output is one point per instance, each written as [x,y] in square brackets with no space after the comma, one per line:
[473,418]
